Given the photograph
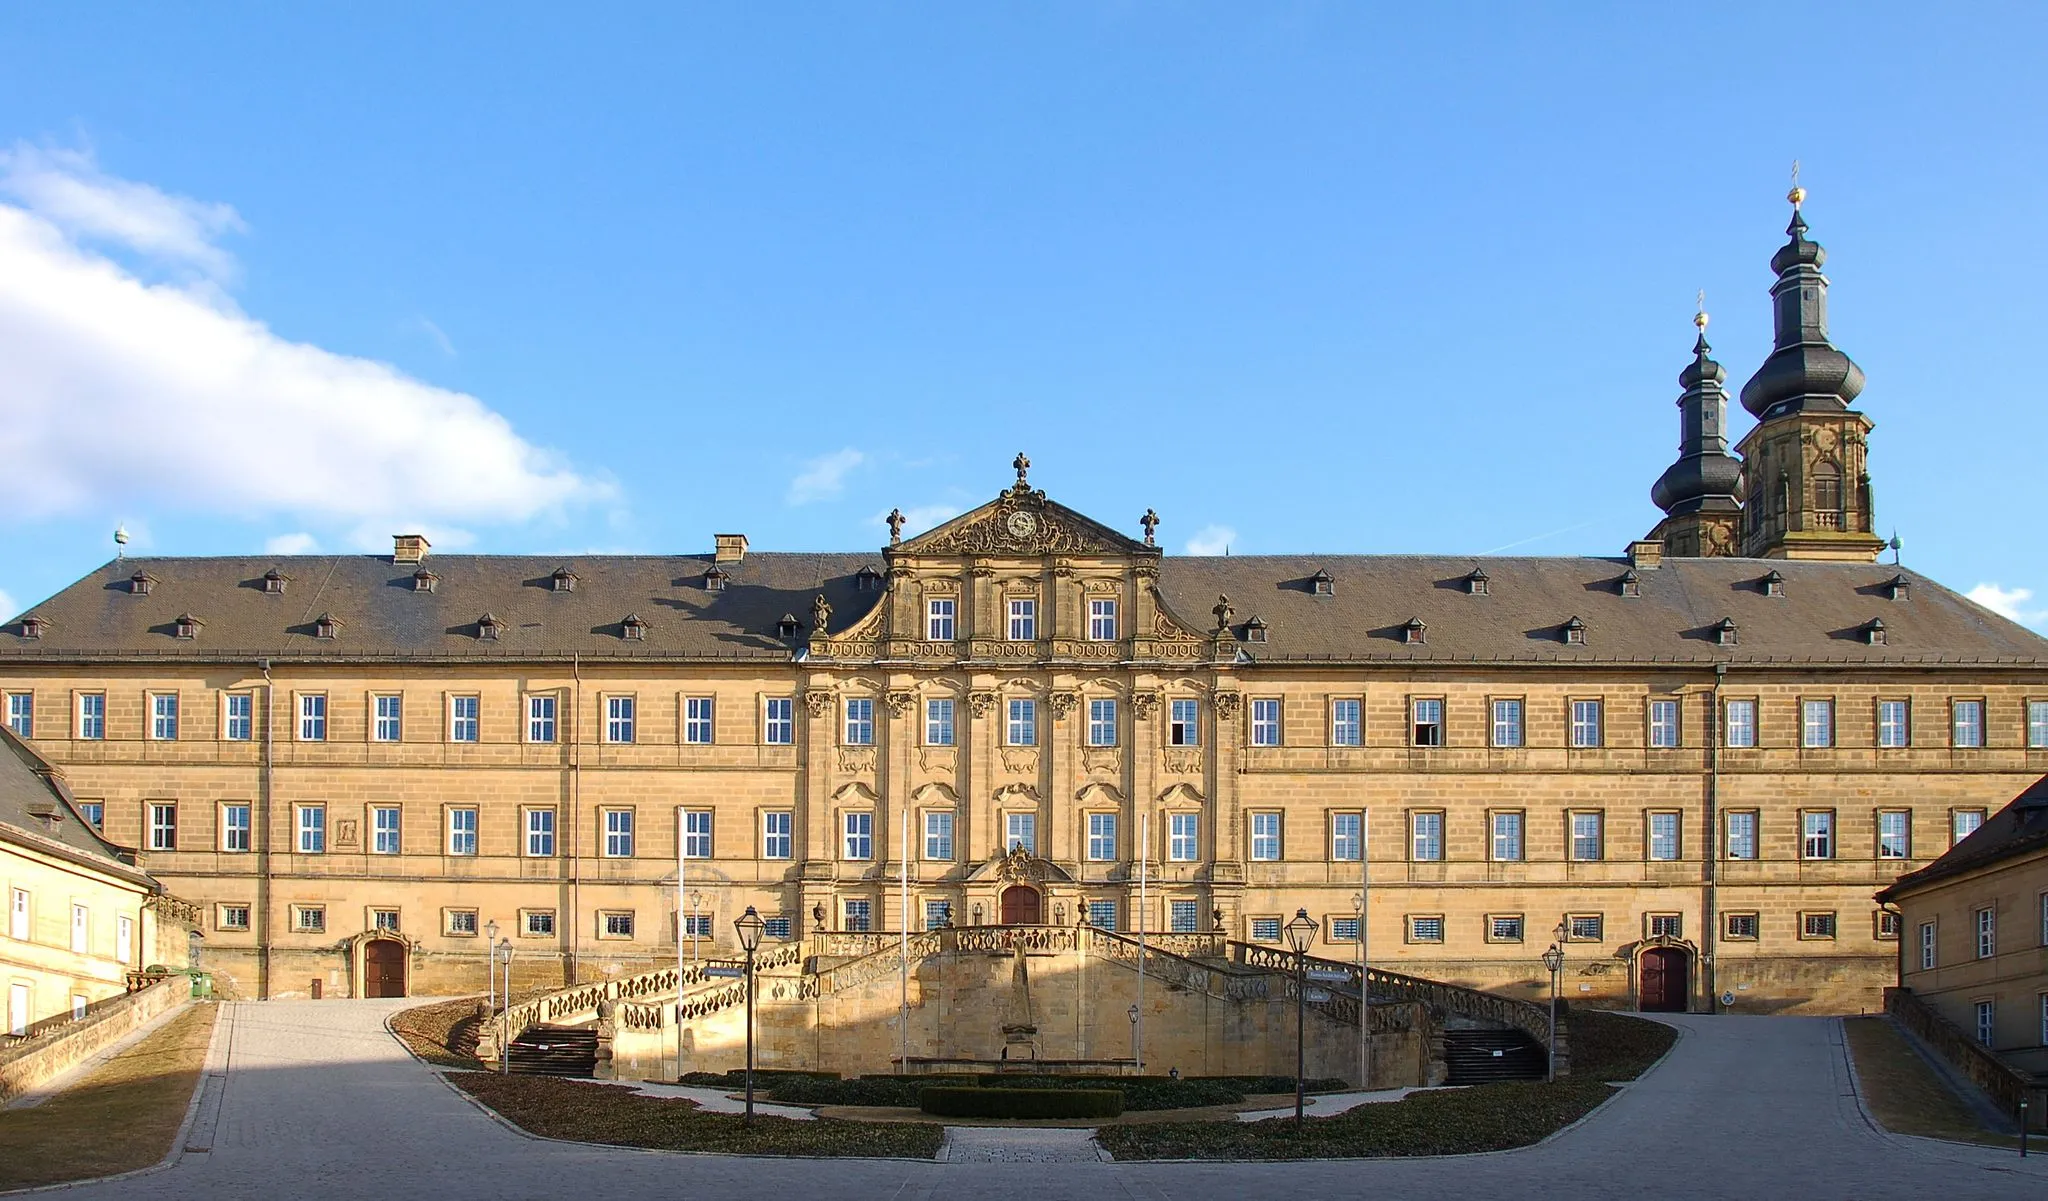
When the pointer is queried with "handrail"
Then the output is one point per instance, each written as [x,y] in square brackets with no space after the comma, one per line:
[580,1003]
[1529,1018]
[1980,1063]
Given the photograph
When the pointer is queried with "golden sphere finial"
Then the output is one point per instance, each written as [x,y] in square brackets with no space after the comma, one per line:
[1797,196]
[1699,318]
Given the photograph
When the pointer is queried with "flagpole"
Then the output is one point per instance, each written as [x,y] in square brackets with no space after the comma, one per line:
[1364,972]
[903,1001]
[682,928]
[1144,852]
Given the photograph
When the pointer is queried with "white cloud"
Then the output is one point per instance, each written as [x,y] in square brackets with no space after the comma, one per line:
[1211,540]
[292,544]
[7,609]
[439,336]
[2009,602]
[162,395]
[824,477]
[919,518]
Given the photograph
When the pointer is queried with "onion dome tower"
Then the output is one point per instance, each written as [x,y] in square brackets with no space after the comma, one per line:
[1698,493]
[1805,467]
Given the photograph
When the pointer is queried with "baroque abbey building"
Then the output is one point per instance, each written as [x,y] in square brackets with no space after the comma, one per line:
[1699,759]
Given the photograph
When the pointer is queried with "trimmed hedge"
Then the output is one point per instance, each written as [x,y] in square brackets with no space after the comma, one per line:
[958,1101]
[737,1078]
[1140,1093]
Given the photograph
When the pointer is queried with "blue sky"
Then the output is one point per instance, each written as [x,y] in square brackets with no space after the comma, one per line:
[1302,277]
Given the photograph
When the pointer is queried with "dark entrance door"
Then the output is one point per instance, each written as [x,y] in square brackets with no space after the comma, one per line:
[383,968]
[1021,906]
[1663,984]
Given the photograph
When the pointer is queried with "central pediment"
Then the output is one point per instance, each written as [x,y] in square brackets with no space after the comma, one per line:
[1021,521]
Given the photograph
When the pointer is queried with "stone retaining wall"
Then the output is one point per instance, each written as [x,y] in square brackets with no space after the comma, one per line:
[32,1064]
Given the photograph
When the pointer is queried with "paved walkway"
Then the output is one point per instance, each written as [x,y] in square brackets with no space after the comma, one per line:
[1324,1105]
[319,1100]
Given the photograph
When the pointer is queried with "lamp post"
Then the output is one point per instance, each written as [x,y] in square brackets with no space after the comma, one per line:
[696,907]
[505,1043]
[1364,1000]
[1300,933]
[1553,962]
[749,925]
[491,953]
[977,913]
[1133,1013]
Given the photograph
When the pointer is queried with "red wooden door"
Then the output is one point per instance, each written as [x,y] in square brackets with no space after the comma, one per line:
[1021,906]
[1662,984]
[383,968]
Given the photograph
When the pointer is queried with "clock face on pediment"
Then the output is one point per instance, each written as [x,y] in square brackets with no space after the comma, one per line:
[1021,523]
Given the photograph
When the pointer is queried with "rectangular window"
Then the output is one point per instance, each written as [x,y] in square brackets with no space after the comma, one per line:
[1666,925]
[618,719]
[1507,722]
[163,827]
[1182,841]
[1585,927]
[17,915]
[234,828]
[618,833]
[1265,929]
[239,723]
[1184,917]
[1741,927]
[540,833]
[1022,729]
[2037,724]
[1265,721]
[92,716]
[1587,837]
[1987,932]
[858,840]
[233,917]
[462,831]
[776,927]
[537,923]
[1102,621]
[1663,836]
[1926,946]
[860,721]
[1507,837]
[1102,837]
[21,713]
[386,718]
[1741,835]
[1664,724]
[696,834]
[1020,832]
[384,919]
[1265,836]
[1817,723]
[776,833]
[615,923]
[312,829]
[81,929]
[1963,823]
[938,620]
[938,835]
[1425,929]
[1817,834]
[313,717]
[1102,723]
[1184,724]
[1586,731]
[1102,915]
[1888,924]
[778,721]
[309,919]
[1023,619]
[463,722]
[1428,715]
[95,814]
[938,914]
[938,723]
[858,916]
[540,719]
[1894,834]
[1741,724]
[1347,726]
[163,716]
[1426,837]
[1968,724]
[1347,837]
[697,723]
[384,830]
[461,923]
[1343,929]
[2044,920]
[1816,925]
[1987,1022]
[1894,724]
[1504,927]
[698,925]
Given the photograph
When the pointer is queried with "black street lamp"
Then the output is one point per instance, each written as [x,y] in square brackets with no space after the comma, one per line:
[1553,962]
[1301,932]
[749,925]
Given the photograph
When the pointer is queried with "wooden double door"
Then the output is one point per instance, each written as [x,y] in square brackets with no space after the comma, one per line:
[1022,906]
[1664,980]
[383,968]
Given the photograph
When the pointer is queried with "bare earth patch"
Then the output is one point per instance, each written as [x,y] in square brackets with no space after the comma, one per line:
[121,1117]
[443,1034]
[1905,1095]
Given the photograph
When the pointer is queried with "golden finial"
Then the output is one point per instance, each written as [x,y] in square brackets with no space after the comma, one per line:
[1798,194]
[1699,318]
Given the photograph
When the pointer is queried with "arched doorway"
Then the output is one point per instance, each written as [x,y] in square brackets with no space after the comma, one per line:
[1662,980]
[383,968]
[1022,906]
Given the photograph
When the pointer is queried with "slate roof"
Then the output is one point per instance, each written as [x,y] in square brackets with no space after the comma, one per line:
[1821,617]
[36,810]
[2019,828]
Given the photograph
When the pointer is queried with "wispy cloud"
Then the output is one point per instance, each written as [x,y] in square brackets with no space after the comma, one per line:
[159,394]
[1211,540]
[824,477]
[292,544]
[2015,603]
[1536,538]
[438,336]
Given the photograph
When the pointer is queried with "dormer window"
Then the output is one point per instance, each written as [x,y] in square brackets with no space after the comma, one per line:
[633,628]
[33,626]
[1629,584]
[184,625]
[326,626]
[1255,629]
[1724,632]
[1873,634]
[488,628]
[1321,584]
[715,578]
[867,579]
[789,626]
[274,582]
[1476,582]
[1574,632]
[563,580]
[1412,633]
[424,580]
[140,583]
[1899,588]
[1772,584]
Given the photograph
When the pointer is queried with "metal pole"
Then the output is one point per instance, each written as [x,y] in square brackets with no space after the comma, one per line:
[1364,970]
[505,1043]
[1300,1039]
[1138,1027]
[750,1034]
[682,930]
[903,998]
[1550,1067]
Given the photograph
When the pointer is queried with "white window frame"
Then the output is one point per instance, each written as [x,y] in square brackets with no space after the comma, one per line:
[465,718]
[238,727]
[1507,835]
[1183,837]
[19,925]
[1902,836]
[1662,837]
[1023,614]
[312,709]
[1102,840]
[538,825]
[387,830]
[778,834]
[1426,724]
[1102,722]
[1739,728]
[1426,836]
[778,721]
[387,717]
[236,834]
[1347,836]
[857,915]
[857,835]
[618,833]
[1507,731]
[541,709]
[1426,927]
[860,721]
[621,719]
[1664,725]
[21,713]
[1816,834]
[1347,721]
[1928,944]
[941,619]
[1587,831]
[1266,841]
[939,729]
[1020,829]
[163,716]
[1588,725]
[1748,822]
[700,726]
[1265,721]
[2037,724]
[1984,922]
[1184,722]
[1966,724]
[163,825]
[1987,1022]
[1102,619]
[1817,723]
[81,929]
[1894,724]
[1959,818]
[462,836]
[938,835]
[699,826]
[309,826]
[1021,728]
[91,717]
